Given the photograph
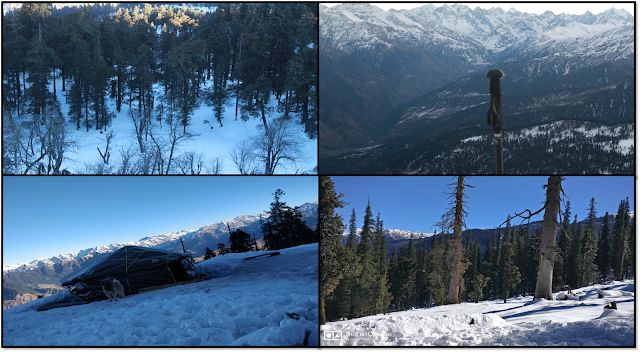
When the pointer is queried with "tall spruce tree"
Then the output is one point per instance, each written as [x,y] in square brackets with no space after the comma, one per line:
[342,298]
[439,276]
[620,241]
[406,271]
[422,275]
[335,262]
[394,275]
[564,246]
[603,258]
[40,60]
[381,295]
[99,80]
[363,297]
[588,247]
[511,271]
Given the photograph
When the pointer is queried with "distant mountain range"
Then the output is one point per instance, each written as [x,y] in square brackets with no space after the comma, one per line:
[405,82]
[397,238]
[22,282]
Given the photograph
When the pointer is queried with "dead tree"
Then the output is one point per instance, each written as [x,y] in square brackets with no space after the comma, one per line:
[107,154]
[457,266]
[548,239]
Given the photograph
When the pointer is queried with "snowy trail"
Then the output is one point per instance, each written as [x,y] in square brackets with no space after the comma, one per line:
[519,322]
[245,306]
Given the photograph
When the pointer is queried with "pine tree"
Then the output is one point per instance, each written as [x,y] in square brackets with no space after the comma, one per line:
[342,298]
[406,270]
[381,295]
[422,275]
[478,283]
[588,247]
[496,269]
[208,254]
[564,247]
[486,268]
[99,83]
[631,262]
[345,292]
[511,272]
[394,283]
[439,276]
[240,241]
[363,297]
[472,257]
[79,94]
[620,242]
[335,262]
[603,258]
[40,61]
[587,254]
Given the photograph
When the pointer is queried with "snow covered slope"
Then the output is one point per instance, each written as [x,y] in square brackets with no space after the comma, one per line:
[521,321]
[244,305]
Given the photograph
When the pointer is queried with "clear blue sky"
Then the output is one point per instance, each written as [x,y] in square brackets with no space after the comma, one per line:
[46,216]
[415,203]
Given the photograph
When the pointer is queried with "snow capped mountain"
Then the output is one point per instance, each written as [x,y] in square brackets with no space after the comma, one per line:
[397,238]
[478,34]
[429,64]
[393,234]
[170,241]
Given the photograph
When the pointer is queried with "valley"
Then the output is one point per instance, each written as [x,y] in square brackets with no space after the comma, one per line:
[405,90]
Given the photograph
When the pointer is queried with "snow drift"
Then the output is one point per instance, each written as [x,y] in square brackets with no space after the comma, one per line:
[245,304]
[522,321]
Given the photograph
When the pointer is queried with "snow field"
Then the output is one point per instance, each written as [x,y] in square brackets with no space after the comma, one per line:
[211,142]
[243,305]
[519,322]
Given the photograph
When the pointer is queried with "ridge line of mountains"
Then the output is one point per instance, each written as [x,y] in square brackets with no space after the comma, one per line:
[397,238]
[402,87]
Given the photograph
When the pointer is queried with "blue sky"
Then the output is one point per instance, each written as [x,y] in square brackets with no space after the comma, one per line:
[416,203]
[46,216]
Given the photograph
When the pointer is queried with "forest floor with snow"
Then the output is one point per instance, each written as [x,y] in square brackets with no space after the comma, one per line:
[521,321]
[210,141]
[244,305]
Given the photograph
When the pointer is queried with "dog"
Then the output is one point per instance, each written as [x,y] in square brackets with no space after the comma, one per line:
[112,288]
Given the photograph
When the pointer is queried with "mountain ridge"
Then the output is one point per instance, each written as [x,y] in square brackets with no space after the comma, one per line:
[428,48]
[396,237]
[163,240]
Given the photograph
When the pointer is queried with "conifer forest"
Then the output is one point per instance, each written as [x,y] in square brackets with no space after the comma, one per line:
[361,275]
[155,84]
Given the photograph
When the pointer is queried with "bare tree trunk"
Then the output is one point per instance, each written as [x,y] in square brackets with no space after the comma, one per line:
[548,239]
[456,247]
[323,319]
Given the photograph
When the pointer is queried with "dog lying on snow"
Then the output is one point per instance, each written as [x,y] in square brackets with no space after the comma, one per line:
[112,288]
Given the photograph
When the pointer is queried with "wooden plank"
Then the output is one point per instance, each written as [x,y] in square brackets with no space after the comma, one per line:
[262,255]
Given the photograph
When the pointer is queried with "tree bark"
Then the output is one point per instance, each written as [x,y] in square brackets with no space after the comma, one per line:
[323,319]
[548,239]
[456,247]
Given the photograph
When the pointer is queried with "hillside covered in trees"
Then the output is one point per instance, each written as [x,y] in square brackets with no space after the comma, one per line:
[146,71]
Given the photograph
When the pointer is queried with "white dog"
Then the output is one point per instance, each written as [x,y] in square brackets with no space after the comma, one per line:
[112,288]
